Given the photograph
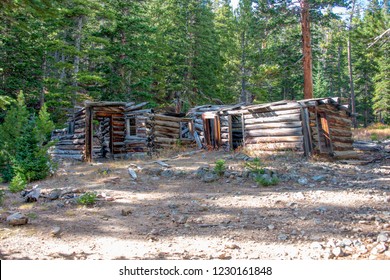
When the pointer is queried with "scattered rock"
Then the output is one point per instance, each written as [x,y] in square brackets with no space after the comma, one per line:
[316,245]
[382,237]
[126,212]
[167,173]
[271,227]
[32,195]
[319,178]
[379,249]
[132,173]
[303,181]
[17,219]
[209,177]
[55,194]
[224,256]
[56,231]
[337,252]
[232,246]
[282,237]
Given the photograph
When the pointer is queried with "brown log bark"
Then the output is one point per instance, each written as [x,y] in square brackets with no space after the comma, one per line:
[306,50]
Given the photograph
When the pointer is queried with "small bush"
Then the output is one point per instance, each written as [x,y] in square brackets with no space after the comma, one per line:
[374,137]
[18,183]
[88,199]
[255,166]
[265,182]
[2,196]
[220,167]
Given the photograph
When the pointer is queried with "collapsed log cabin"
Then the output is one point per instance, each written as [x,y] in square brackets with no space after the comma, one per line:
[315,126]
[103,130]
[167,130]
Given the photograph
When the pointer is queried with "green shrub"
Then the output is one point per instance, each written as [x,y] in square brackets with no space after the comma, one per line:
[2,196]
[265,182]
[255,166]
[89,198]
[220,167]
[374,137]
[18,183]
[24,142]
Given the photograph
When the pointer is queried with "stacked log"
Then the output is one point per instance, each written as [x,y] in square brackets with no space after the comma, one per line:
[136,140]
[168,131]
[71,141]
[116,125]
[339,122]
[273,127]
[101,139]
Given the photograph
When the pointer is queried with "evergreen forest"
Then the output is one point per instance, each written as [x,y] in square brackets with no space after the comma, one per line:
[61,53]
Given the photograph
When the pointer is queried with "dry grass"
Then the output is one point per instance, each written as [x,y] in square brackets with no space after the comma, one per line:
[375,132]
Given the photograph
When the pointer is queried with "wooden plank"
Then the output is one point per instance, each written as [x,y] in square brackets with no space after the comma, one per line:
[275,146]
[275,132]
[294,117]
[167,123]
[275,139]
[341,132]
[273,125]
[170,118]
[88,134]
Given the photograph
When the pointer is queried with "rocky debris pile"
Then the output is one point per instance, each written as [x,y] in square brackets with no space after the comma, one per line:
[371,248]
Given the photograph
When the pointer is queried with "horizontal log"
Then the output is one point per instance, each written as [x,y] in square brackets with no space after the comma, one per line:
[275,139]
[107,114]
[275,146]
[265,108]
[275,132]
[271,114]
[340,132]
[167,123]
[71,142]
[346,155]
[74,157]
[70,147]
[341,139]
[274,125]
[165,128]
[166,135]
[170,118]
[66,152]
[294,117]
[135,107]
[171,140]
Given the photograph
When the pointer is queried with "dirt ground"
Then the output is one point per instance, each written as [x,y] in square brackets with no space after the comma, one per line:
[319,210]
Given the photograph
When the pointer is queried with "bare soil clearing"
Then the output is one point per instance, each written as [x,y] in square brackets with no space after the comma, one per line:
[318,210]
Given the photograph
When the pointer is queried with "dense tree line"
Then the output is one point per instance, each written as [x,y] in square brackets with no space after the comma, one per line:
[60,53]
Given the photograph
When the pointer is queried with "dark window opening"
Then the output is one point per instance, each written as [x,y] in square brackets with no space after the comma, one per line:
[133,126]
[236,132]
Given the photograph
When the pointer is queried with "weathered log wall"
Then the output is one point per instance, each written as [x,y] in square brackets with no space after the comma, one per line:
[169,131]
[339,123]
[272,128]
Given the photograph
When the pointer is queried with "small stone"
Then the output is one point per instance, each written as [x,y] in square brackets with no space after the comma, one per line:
[132,173]
[387,199]
[209,177]
[378,249]
[338,252]
[155,178]
[282,237]
[271,227]
[319,178]
[347,242]
[55,194]
[232,246]
[382,237]
[316,245]
[303,181]
[56,231]
[224,256]
[126,212]
[17,219]
[167,173]
[362,249]
[387,254]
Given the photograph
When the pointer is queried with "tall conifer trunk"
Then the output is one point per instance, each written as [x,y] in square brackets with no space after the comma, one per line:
[306,50]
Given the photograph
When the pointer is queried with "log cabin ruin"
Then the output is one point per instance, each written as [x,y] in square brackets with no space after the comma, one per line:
[319,126]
